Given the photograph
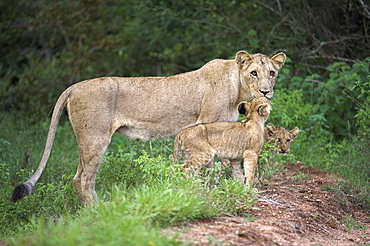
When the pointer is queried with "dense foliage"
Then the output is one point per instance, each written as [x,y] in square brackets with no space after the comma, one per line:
[45,46]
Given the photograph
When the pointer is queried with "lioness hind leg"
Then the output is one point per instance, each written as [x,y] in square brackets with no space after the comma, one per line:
[90,159]
[250,164]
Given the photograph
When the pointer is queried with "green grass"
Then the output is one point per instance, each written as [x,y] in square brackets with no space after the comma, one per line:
[133,215]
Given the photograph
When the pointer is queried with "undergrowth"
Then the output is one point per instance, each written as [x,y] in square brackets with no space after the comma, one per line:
[139,194]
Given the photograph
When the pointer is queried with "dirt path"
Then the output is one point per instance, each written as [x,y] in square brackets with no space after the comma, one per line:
[300,206]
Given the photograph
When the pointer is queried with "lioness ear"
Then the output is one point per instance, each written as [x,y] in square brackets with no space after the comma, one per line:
[243,58]
[278,60]
[263,109]
[295,132]
[242,108]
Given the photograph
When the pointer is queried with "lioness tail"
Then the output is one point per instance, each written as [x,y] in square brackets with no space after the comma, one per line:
[25,189]
[21,191]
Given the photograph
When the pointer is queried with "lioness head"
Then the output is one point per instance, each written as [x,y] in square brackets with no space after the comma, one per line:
[258,72]
[281,137]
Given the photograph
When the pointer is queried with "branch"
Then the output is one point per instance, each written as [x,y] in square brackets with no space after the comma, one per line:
[276,26]
[365,8]
[201,22]
[332,58]
[333,42]
[279,13]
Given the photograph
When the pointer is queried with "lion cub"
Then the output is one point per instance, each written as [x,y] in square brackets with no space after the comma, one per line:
[280,137]
[235,141]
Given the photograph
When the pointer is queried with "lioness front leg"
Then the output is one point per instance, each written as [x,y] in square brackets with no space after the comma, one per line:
[250,164]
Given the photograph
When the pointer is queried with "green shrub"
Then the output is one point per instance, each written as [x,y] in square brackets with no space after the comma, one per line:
[232,197]
[106,225]
[337,94]
[49,200]
[290,110]
[362,91]
[131,169]
[163,203]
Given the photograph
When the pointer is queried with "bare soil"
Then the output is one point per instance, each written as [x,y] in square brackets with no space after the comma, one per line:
[299,206]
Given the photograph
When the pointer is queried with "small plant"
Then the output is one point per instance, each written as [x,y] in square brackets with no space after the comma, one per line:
[351,223]
[339,194]
[49,200]
[232,197]
[264,168]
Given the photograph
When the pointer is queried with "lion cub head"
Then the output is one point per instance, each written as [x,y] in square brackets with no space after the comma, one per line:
[259,105]
[280,137]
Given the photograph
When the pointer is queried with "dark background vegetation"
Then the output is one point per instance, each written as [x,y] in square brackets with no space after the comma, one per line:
[46,46]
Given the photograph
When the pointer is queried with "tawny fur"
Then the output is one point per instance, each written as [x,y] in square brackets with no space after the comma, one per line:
[235,141]
[280,138]
[146,108]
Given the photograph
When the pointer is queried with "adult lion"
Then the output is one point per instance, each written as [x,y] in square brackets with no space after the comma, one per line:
[147,108]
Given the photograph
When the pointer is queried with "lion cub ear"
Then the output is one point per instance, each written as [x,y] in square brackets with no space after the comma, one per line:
[264,109]
[295,132]
[242,58]
[243,108]
[270,129]
[278,60]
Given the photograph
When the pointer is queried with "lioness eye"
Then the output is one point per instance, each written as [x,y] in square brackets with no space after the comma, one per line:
[279,140]
[254,73]
[288,140]
[272,73]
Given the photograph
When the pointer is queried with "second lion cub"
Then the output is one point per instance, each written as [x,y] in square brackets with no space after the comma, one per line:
[236,141]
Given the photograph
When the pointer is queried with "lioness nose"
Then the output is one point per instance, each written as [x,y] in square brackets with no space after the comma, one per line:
[265,91]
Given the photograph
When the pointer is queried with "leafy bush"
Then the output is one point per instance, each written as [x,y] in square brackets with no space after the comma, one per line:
[130,169]
[290,110]
[361,89]
[339,94]
[232,197]
[49,200]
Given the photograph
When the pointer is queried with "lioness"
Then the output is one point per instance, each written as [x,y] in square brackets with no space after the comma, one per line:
[280,138]
[235,141]
[146,108]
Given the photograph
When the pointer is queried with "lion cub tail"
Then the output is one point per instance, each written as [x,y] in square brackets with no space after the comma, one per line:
[25,188]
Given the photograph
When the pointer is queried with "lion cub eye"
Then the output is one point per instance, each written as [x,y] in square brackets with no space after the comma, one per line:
[254,74]
[272,73]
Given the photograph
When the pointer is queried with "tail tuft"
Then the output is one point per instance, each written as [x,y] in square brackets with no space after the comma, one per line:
[21,191]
